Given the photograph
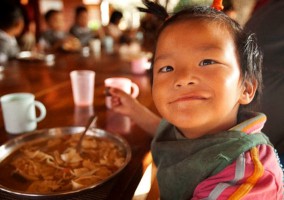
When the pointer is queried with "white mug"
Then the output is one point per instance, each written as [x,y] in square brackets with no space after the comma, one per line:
[19,112]
[123,84]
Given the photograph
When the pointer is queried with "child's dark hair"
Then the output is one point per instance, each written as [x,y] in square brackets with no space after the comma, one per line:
[115,17]
[79,10]
[50,13]
[248,51]
[10,14]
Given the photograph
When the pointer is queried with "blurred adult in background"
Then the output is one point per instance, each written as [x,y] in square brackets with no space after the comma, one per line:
[11,25]
[80,28]
[55,37]
[112,28]
[267,22]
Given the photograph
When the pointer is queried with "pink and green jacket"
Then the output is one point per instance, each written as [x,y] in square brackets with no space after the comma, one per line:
[236,164]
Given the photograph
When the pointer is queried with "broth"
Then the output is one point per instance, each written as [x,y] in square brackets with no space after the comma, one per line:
[52,165]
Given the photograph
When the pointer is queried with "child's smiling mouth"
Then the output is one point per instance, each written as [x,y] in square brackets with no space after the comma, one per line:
[190,98]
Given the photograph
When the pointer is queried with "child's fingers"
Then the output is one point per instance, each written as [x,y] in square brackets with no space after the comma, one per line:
[115,101]
[116,92]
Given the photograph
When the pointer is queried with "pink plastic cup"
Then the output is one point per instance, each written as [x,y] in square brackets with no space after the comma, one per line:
[83,85]
[121,83]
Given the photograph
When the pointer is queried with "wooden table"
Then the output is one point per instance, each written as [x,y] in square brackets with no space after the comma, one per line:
[50,83]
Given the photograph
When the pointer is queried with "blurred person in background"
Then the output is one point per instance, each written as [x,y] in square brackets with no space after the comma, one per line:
[27,40]
[11,25]
[229,9]
[149,26]
[267,22]
[80,28]
[55,37]
[112,29]
[122,39]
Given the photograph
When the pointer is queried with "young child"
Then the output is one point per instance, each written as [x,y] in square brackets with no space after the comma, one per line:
[11,26]
[206,73]
[80,28]
[55,37]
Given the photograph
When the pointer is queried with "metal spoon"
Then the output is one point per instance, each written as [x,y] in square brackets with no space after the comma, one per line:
[92,121]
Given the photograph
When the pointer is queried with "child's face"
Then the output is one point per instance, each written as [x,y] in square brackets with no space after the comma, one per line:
[56,22]
[82,19]
[197,83]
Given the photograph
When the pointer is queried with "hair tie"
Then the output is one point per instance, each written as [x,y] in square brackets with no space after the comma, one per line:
[217,5]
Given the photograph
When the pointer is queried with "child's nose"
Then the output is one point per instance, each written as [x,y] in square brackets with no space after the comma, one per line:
[185,79]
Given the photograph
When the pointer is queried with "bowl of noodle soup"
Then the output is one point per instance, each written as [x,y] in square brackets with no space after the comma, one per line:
[45,163]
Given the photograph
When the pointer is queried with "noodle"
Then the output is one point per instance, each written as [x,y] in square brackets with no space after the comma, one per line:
[53,165]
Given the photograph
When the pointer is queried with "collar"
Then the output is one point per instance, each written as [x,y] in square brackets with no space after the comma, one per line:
[252,122]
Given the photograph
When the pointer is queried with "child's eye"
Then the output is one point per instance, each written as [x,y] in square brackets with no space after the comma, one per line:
[166,69]
[207,62]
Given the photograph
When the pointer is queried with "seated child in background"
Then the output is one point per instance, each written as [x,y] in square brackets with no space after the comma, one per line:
[80,28]
[206,74]
[112,28]
[55,37]
[11,25]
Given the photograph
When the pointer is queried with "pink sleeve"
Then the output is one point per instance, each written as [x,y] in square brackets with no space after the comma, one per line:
[224,184]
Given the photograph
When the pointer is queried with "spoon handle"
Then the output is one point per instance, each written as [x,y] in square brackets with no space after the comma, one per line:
[92,121]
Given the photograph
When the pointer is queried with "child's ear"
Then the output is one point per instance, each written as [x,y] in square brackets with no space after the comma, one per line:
[248,92]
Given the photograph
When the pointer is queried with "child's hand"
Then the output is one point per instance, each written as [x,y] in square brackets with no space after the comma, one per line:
[123,103]
[127,105]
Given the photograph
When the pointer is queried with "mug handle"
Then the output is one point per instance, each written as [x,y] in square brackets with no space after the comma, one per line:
[42,109]
[135,88]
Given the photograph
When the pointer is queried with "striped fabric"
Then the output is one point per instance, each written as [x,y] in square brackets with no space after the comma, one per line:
[251,126]
[256,174]
[252,180]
